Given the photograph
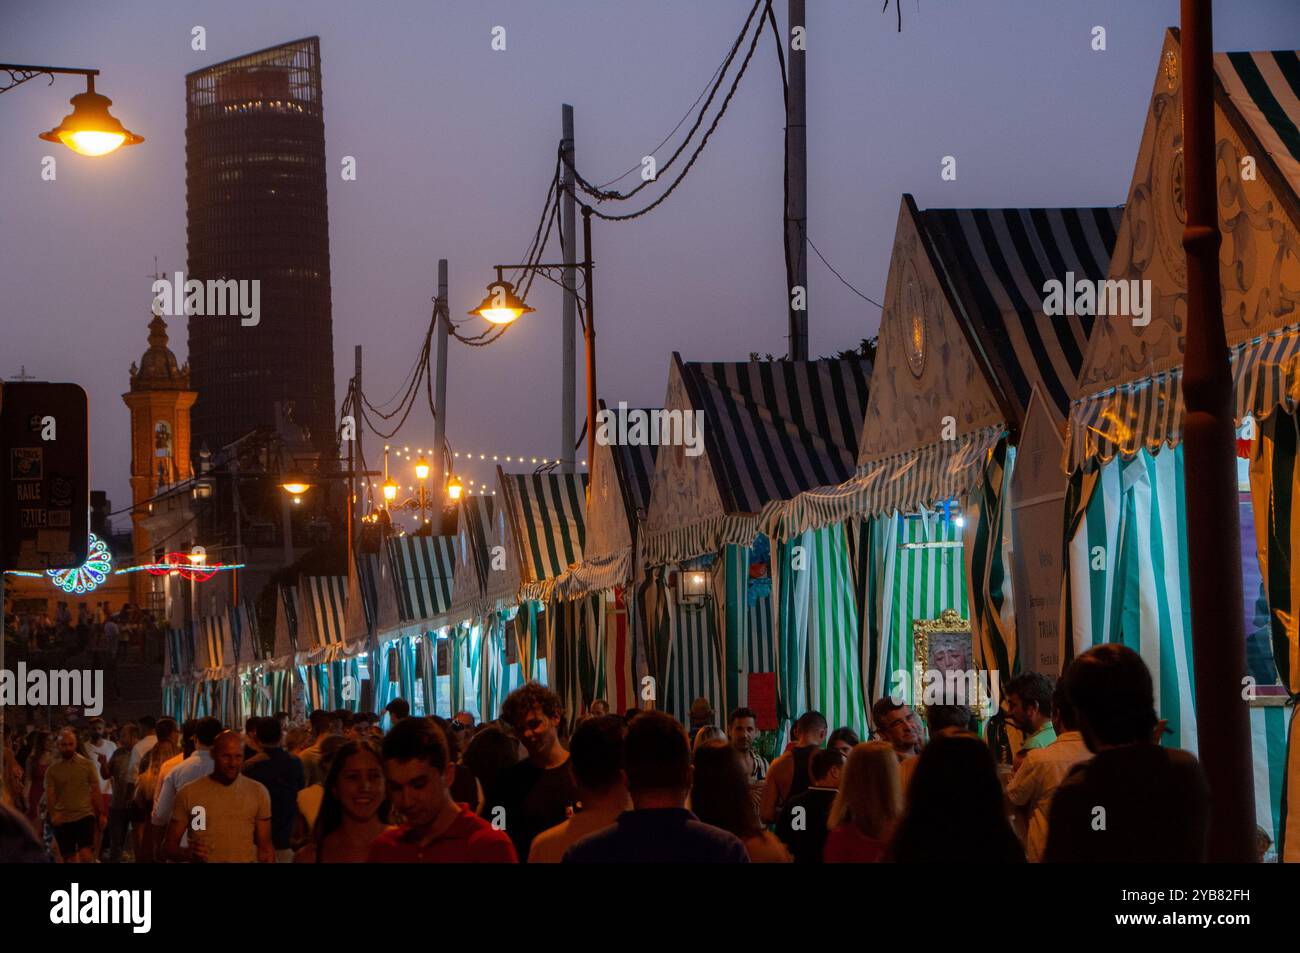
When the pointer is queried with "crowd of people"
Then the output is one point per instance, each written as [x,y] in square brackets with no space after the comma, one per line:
[93,631]
[1090,783]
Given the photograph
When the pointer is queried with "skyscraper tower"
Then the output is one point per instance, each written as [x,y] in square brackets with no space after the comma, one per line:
[255,193]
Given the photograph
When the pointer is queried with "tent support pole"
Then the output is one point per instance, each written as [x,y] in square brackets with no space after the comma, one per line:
[1210,465]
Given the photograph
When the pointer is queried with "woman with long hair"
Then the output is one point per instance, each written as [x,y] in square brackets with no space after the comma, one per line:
[866,807]
[146,789]
[720,796]
[354,810]
[955,807]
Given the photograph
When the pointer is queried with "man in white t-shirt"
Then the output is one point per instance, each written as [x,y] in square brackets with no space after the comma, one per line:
[1043,769]
[99,750]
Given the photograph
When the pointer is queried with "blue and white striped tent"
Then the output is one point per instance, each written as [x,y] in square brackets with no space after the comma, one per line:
[1125,429]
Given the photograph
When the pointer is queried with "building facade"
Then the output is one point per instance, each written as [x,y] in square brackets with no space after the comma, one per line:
[160,399]
[256,207]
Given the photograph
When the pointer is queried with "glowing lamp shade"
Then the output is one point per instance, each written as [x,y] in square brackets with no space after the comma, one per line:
[695,584]
[501,305]
[455,488]
[390,490]
[422,469]
[90,129]
[295,483]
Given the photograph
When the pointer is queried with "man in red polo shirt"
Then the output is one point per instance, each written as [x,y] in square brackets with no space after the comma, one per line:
[437,829]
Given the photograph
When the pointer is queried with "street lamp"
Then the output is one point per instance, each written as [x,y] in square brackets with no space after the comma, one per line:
[390,490]
[90,129]
[295,483]
[503,306]
[422,474]
[455,488]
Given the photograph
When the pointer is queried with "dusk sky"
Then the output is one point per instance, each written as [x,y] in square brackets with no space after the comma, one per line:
[455,148]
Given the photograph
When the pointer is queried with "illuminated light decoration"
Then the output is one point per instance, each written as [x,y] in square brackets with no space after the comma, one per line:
[183,565]
[89,575]
[165,569]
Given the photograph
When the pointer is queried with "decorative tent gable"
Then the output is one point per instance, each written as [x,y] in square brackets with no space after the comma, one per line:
[609,524]
[1256,113]
[926,369]
[684,489]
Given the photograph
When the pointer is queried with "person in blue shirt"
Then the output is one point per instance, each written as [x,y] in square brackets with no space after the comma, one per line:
[659,828]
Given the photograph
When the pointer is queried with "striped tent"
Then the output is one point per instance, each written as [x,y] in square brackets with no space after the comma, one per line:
[423,568]
[324,601]
[215,655]
[547,516]
[244,632]
[375,579]
[1125,427]
[487,562]
[762,431]
[618,496]
[694,658]
[997,262]
[287,615]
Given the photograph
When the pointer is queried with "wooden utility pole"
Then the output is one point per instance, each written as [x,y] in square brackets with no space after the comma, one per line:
[568,216]
[796,209]
[1210,465]
[441,460]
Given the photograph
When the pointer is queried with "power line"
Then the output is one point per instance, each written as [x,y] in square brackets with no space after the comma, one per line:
[699,149]
[600,194]
[841,277]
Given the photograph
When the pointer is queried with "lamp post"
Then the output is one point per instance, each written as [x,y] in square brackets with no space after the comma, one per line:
[90,129]
[502,306]
[422,474]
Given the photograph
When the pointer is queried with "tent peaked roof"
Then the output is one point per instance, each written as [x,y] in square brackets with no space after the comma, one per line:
[1130,390]
[1264,88]
[998,261]
[547,513]
[775,428]
[424,568]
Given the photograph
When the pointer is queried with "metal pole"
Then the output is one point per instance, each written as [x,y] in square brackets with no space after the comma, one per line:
[3,749]
[589,336]
[569,221]
[358,420]
[286,528]
[1210,465]
[796,152]
[441,460]
[239,538]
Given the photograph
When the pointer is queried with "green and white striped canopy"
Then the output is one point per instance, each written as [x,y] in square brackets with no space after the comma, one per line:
[547,515]
[423,570]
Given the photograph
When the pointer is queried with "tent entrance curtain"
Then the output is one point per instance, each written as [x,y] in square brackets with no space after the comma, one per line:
[575,654]
[988,563]
[1127,574]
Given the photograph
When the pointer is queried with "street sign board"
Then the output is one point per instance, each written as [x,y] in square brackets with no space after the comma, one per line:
[44,476]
